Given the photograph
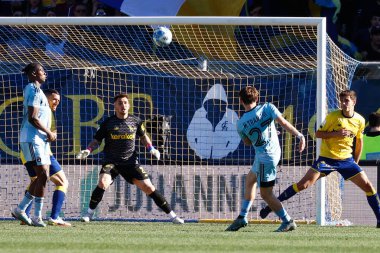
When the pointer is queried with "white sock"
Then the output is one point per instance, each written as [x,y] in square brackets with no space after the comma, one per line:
[172,214]
[90,211]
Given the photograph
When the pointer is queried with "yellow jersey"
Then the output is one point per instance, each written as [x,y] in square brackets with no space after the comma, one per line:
[338,147]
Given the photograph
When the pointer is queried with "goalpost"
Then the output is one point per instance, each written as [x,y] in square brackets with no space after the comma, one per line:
[187,94]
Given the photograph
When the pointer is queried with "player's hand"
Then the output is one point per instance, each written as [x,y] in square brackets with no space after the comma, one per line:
[302,144]
[345,133]
[155,153]
[51,136]
[83,154]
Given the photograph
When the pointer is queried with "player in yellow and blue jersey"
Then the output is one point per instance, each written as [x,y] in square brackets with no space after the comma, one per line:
[35,138]
[256,127]
[339,152]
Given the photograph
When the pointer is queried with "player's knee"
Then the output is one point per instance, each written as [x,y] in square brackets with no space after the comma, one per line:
[65,183]
[104,184]
[303,186]
[148,189]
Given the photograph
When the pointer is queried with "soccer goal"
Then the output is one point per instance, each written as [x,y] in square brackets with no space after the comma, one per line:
[187,94]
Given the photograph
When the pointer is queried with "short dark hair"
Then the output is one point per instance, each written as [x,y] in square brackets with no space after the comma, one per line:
[30,67]
[374,119]
[348,93]
[249,94]
[121,95]
[48,92]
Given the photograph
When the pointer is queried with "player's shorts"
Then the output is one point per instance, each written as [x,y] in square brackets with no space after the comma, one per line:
[128,172]
[38,152]
[348,168]
[265,172]
[54,168]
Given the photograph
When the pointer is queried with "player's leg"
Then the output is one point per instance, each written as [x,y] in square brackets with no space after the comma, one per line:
[266,178]
[308,180]
[362,181]
[249,196]
[106,176]
[32,175]
[140,178]
[39,154]
[58,177]
[37,188]
[287,223]
[20,211]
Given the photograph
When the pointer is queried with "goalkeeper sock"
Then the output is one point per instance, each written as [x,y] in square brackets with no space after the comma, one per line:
[374,203]
[288,193]
[26,201]
[96,197]
[283,214]
[245,208]
[160,201]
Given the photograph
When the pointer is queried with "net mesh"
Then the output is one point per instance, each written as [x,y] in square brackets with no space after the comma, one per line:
[187,94]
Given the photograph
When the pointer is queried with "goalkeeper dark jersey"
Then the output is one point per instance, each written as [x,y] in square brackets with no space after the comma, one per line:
[119,138]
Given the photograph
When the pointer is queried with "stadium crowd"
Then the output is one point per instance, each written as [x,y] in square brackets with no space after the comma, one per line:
[353,25]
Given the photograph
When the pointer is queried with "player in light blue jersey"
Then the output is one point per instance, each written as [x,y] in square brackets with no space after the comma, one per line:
[56,173]
[256,127]
[35,135]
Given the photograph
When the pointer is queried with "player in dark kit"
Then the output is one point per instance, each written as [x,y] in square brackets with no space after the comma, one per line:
[120,157]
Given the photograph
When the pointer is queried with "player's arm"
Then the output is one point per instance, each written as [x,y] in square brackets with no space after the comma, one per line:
[291,129]
[35,121]
[145,140]
[358,149]
[333,134]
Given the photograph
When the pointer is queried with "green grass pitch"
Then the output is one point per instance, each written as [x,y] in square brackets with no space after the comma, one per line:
[115,237]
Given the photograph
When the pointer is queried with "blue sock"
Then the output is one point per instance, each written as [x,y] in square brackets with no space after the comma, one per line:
[25,202]
[288,193]
[58,198]
[38,203]
[374,203]
[246,205]
[29,208]
[284,216]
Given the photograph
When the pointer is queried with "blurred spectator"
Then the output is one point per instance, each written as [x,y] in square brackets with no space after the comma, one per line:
[364,10]
[100,9]
[252,8]
[78,10]
[50,12]
[362,37]
[372,52]
[34,8]
[60,6]
[18,13]
[346,23]
[349,48]
[329,9]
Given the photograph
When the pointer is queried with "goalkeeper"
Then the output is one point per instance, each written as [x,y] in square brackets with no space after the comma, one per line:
[119,132]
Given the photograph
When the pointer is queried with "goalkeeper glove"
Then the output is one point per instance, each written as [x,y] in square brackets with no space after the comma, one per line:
[154,152]
[83,154]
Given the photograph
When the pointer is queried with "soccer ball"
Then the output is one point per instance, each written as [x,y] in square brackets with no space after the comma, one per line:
[162,36]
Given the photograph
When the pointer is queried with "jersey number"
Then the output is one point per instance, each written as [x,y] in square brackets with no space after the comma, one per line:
[259,141]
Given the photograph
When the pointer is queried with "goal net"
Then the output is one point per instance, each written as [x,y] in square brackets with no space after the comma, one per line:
[187,94]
